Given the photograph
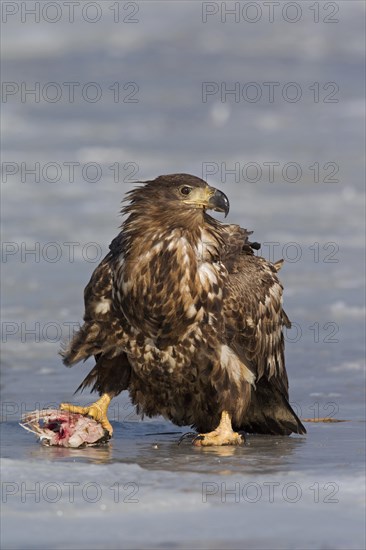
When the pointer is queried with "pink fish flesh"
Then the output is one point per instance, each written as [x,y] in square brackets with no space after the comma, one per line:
[64,429]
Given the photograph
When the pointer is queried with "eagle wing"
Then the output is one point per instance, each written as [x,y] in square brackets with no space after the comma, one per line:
[254,316]
[254,321]
[101,331]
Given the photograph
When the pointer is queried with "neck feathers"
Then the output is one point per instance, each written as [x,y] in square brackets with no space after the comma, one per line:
[148,225]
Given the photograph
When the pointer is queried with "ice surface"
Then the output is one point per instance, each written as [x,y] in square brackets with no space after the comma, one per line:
[145,491]
[148,492]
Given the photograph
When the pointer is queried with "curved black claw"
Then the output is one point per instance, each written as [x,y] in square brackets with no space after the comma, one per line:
[187,435]
[103,440]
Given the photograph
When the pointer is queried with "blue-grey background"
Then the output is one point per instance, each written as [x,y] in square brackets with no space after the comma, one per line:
[158,55]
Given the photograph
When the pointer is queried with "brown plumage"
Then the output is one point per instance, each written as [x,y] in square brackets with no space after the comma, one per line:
[184,316]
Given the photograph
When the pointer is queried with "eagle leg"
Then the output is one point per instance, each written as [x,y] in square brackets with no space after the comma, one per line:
[223,435]
[97,410]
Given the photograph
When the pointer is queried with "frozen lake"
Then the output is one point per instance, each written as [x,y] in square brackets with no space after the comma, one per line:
[292,165]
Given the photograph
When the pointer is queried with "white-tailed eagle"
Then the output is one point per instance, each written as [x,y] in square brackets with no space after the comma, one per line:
[183,315]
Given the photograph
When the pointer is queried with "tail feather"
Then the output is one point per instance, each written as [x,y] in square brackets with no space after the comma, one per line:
[270,412]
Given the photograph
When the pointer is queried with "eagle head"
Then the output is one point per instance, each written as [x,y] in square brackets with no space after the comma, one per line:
[180,192]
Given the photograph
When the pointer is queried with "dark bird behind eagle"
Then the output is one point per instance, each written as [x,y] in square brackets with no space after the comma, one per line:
[184,316]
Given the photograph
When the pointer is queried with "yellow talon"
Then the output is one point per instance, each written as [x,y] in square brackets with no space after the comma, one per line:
[97,410]
[223,435]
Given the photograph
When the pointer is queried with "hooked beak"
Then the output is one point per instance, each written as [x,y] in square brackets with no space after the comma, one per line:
[218,201]
[209,198]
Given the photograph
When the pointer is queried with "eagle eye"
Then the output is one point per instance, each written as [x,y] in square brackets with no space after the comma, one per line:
[185,190]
